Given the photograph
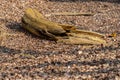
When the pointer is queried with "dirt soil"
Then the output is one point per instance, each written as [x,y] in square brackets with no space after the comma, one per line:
[24,56]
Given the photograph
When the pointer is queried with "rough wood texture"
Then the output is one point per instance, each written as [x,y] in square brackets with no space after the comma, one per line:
[34,22]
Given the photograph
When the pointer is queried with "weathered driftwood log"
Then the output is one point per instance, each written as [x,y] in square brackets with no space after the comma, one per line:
[33,19]
[34,22]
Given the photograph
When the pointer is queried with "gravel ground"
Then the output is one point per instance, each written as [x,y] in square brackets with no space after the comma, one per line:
[25,56]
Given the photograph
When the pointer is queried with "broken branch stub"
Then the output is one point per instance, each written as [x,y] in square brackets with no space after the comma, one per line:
[34,22]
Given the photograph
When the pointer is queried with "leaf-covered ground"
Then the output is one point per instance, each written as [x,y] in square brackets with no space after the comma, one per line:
[26,56]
